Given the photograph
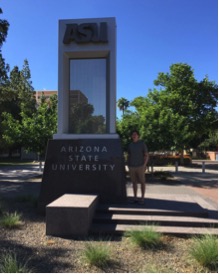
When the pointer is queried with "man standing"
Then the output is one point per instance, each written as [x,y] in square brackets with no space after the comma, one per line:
[137,160]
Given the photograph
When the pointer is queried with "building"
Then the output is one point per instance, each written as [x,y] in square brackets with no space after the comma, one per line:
[46,93]
[76,97]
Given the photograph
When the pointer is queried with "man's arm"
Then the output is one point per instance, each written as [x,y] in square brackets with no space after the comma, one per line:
[146,158]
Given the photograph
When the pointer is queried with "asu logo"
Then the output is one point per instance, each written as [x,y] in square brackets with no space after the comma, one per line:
[85,33]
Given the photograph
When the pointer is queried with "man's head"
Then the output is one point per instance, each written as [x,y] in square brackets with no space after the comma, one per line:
[135,135]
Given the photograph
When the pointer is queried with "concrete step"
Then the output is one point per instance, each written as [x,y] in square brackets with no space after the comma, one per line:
[154,220]
[119,229]
[134,209]
[168,214]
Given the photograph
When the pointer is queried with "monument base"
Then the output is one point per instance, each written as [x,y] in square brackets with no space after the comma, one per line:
[83,166]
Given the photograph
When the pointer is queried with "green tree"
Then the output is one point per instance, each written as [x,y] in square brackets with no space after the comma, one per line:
[4,70]
[124,126]
[181,114]
[211,142]
[21,90]
[17,97]
[163,128]
[195,102]
[4,26]
[33,131]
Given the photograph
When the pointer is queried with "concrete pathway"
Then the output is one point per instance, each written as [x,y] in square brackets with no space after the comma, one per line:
[25,179]
[190,191]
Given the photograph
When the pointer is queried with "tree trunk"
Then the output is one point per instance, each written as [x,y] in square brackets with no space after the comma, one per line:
[181,152]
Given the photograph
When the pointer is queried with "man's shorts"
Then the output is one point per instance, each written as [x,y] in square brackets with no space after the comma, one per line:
[137,174]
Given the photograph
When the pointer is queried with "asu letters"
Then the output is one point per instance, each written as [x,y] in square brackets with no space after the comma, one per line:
[86,32]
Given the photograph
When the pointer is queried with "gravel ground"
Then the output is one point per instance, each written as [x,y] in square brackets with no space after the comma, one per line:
[46,254]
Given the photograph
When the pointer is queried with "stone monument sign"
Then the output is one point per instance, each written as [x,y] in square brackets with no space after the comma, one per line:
[85,156]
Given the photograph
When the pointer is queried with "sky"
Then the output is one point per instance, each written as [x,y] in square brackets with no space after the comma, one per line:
[151,36]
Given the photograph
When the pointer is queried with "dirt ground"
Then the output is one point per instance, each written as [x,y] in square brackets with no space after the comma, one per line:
[47,254]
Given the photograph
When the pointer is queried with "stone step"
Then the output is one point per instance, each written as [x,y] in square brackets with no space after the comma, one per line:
[119,229]
[154,219]
[134,209]
[167,213]
[186,217]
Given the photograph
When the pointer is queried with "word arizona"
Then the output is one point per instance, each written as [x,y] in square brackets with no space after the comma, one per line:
[83,149]
[82,167]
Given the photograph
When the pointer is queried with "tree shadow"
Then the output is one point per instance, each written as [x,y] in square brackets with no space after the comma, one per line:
[13,189]
[193,179]
[39,260]
[26,205]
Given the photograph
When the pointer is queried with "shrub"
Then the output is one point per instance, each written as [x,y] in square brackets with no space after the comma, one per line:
[11,220]
[162,160]
[205,251]
[97,254]
[10,264]
[145,238]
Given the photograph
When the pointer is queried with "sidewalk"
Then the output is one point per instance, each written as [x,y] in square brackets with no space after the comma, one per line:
[22,180]
[185,204]
[187,181]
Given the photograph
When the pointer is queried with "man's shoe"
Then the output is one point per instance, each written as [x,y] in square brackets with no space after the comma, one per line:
[134,201]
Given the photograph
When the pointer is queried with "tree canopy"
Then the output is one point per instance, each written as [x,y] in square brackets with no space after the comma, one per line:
[180,113]
[32,131]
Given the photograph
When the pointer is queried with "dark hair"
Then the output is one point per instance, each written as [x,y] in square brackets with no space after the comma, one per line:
[134,131]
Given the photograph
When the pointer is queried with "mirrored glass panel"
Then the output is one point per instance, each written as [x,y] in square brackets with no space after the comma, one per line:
[87,96]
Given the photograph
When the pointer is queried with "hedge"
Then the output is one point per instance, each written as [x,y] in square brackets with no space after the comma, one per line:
[161,160]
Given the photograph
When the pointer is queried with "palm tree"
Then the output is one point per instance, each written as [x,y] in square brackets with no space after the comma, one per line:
[123,104]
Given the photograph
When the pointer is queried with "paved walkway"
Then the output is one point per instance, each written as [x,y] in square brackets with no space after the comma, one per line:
[188,181]
[25,179]
[193,180]
[20,180]
[190,192]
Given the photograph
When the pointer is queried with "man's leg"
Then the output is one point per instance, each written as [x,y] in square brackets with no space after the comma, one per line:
[141,175]
[132,172]
[142,190]
[135,189]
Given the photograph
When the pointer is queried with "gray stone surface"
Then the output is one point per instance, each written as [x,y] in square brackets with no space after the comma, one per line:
[70,215]
[88,166]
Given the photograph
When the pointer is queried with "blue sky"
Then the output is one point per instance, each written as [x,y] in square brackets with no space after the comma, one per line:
[151,35]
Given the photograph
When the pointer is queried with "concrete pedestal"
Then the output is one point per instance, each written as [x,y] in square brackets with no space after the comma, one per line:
[70,215]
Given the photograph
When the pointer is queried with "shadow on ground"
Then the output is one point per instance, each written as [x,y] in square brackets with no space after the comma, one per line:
[46,260]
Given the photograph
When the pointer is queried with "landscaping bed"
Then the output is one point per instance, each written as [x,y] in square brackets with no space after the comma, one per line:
[40,253]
